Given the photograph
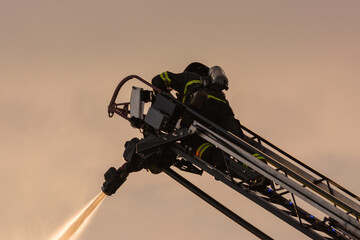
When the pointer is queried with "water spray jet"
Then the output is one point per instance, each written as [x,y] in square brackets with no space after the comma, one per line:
[113,180]
[75,224]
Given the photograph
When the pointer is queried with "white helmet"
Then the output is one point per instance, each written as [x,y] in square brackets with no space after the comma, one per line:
[217,79]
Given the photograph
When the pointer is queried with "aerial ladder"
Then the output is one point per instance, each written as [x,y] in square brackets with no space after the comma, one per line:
[288,178]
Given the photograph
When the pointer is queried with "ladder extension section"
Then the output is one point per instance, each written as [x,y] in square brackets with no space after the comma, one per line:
[295,192]
[342,210]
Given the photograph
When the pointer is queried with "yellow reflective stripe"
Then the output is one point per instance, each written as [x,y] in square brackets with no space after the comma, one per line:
[162,77]
[258,156]
[188,84]
[199,148]
[218,99]
[166,79]
[202,148]
[202,151]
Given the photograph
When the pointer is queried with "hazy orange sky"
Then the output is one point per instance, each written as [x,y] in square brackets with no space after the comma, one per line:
[294,79]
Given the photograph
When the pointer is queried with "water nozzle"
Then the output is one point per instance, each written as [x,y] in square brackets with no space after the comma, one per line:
[113,180]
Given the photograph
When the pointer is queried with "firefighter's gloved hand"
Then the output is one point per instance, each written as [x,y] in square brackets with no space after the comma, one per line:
[135,122]
[114,179]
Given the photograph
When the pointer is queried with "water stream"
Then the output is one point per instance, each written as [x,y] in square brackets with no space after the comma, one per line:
[73,226]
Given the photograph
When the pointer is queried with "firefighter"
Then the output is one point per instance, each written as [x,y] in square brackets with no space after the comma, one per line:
[216,107]
[202,88]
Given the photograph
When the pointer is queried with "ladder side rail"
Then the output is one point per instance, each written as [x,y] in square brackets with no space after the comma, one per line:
[338,195]
[282,151]
[231,137]
[249,148]
[204,131]
[248,194]
[310,197]
[300,163]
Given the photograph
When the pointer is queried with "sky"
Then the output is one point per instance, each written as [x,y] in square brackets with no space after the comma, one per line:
[293,69]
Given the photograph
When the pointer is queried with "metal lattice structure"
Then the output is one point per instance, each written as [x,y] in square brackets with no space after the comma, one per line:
[289,179]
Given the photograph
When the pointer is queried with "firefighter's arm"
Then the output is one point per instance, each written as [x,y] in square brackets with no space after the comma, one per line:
[163,81]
